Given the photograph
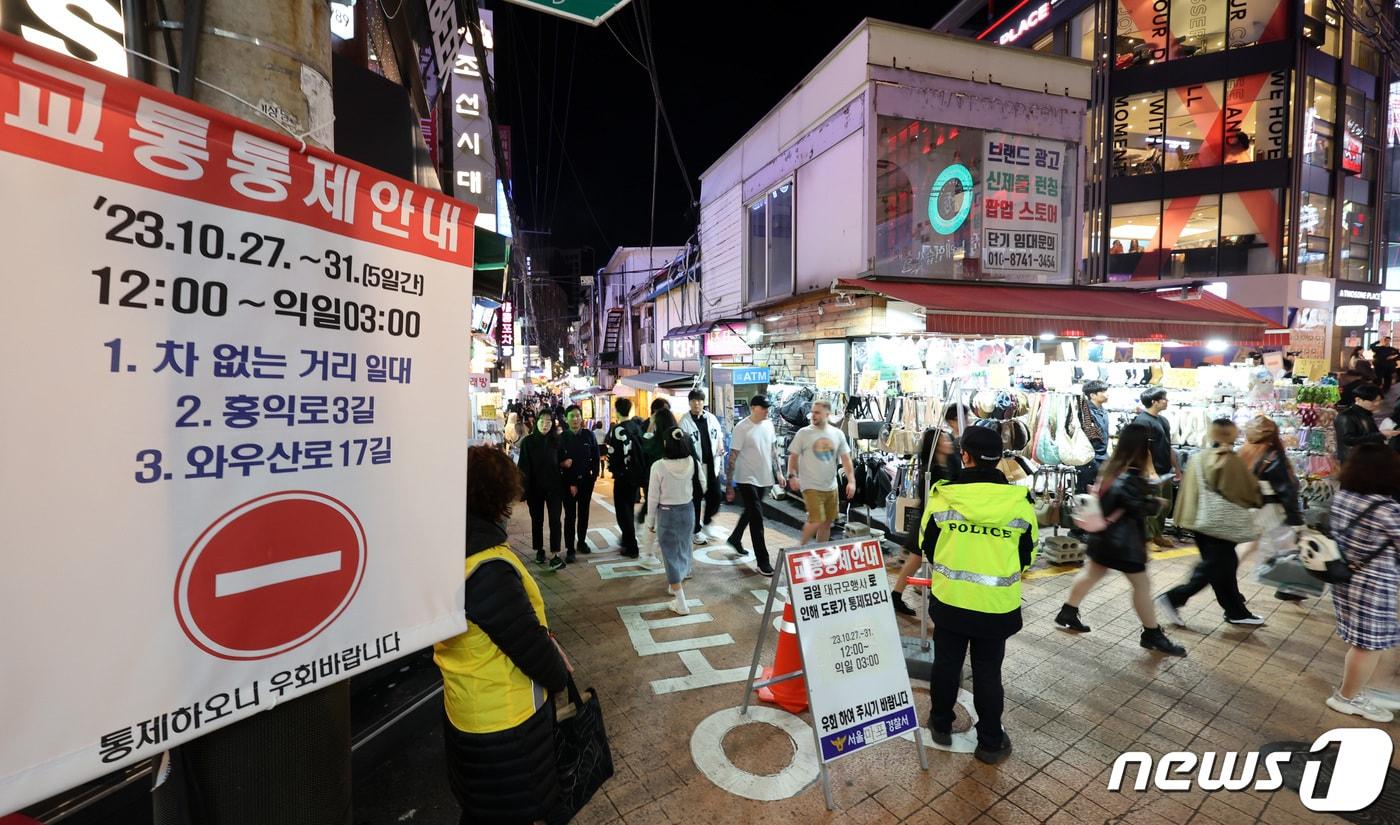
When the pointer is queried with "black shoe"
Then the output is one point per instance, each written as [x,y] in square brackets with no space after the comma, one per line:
[1287,597]
[571,557]
[987,756]
[556,563]
[584,548]
[765,567]
[539,557]
[941,738]
[1068,619]
[897,602]
[738,548]
[1154,639]
[629,554]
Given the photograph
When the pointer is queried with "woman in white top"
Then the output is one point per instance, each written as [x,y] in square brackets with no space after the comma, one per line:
[671,489]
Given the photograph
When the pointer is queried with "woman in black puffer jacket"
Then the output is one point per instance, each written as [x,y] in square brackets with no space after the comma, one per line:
[1126,499]
[499,676]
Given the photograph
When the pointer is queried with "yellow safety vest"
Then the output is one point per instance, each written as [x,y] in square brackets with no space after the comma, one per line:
[483,689]
[977,561]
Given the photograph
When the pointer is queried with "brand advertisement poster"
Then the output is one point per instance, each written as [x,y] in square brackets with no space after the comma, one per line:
[234,457]
[1022,225]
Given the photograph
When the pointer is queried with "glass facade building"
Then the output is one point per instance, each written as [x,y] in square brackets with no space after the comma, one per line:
[1227,137]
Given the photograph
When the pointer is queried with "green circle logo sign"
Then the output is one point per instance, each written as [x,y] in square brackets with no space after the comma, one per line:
[947,226]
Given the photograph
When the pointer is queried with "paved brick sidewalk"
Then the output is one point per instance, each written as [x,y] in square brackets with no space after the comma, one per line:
[1074,703]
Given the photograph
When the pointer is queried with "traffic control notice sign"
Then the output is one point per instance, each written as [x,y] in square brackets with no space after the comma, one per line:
[851,652]
[234,465]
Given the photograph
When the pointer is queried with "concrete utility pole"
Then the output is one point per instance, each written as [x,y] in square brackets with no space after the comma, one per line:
[274,54]
[289,765]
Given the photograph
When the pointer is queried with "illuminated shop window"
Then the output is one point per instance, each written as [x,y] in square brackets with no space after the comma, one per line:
[1315,235]
[1249,232]
[1134,240]
[1195,129]
[1256,117]
[1139,132]
[1356,241]
[1319,119]
[1197,27]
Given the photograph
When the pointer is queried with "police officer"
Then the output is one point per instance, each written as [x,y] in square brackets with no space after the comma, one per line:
[979,535]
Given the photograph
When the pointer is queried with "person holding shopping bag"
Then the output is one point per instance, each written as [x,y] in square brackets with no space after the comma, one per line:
[1282,512]
[671,491]
[1127,502]
[1216,497]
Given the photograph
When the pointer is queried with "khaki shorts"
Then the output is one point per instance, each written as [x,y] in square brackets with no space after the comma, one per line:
[821,505]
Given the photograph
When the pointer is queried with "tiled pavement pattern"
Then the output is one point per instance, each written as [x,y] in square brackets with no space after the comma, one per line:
[1074,703]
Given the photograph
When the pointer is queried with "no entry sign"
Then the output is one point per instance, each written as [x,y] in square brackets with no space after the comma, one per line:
[270,574]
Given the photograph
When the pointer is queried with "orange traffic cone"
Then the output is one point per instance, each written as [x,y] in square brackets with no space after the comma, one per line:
[790,695]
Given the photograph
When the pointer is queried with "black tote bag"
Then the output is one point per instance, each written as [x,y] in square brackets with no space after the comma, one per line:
[581,753]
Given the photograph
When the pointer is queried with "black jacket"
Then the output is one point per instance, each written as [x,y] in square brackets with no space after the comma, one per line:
[1354,425]
[539,464]
[508,776]
[959,619]
[624,443]
[1274,469]
[1126,537]
[582,447]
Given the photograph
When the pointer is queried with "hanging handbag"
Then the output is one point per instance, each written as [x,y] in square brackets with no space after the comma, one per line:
[581,753]
[1046,505]
[1073,444]
[1046,451]
[1220,518]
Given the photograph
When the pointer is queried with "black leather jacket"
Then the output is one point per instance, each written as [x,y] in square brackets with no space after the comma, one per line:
[1126,538]
[1354,425]
[1273,468]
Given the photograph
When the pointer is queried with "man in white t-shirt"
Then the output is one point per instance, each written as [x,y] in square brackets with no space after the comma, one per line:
[753,454]
[812,460]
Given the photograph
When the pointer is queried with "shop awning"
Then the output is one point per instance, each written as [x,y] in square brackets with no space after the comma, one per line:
[658,379]
[490,263]
[1006,309]
[702,328]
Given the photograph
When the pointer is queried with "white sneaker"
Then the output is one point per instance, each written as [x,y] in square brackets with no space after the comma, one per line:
[1386,699]
[1248,621]
[678,606]
[1167,610]
[1360,706]
[700,538]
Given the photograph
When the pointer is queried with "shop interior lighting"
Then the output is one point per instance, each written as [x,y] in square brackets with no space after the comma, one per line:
[1315,290]
[1172,344]
[1133,232]
[1047,336]
[1100,337]
[1124,345]
[1216,345]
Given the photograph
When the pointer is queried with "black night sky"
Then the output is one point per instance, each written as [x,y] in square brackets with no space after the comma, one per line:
[721,67]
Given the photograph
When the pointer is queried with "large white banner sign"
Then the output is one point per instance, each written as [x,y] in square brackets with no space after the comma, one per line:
[1022,222]
[234,424]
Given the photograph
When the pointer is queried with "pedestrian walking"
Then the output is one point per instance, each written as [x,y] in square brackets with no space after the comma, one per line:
[1094,421]
[1386,358]
[753,453]
[979,535]
[1267,459]
[1165,467]
[1366,522]
[1127,502]
[939,460]
[1357,423]
[671,489]
[540,459]
[581,460]
[708,441]
[814,455]
[652,447]
[1215,471]
[498,724]
[624,445]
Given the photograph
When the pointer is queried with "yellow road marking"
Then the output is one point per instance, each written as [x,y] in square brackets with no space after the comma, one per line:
[1063,569]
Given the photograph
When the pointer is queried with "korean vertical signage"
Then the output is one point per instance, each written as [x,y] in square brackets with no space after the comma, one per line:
[1022,220]
[228,358]
[505,330]
[473,153]
[851,653]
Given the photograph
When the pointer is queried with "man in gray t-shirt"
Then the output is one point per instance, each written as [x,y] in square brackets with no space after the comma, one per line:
[812,461]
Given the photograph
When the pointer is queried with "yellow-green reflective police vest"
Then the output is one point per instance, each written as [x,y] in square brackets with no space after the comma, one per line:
[977,561]
[483,689]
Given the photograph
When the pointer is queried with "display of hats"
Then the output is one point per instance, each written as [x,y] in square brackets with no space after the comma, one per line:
[1015,435]
[984,404]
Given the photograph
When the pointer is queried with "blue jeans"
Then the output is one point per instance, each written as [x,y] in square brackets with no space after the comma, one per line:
[675,526]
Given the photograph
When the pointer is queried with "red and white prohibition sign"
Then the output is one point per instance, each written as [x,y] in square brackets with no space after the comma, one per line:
[270,574]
